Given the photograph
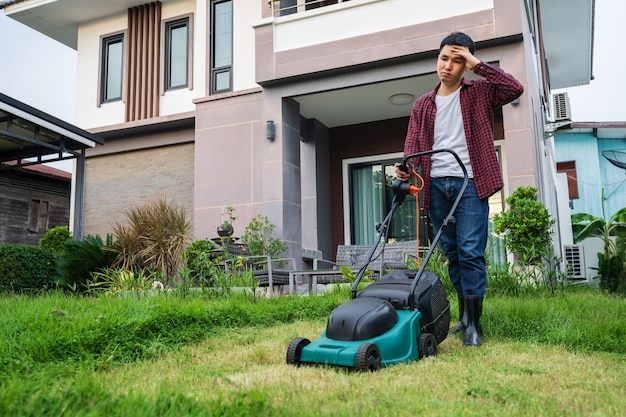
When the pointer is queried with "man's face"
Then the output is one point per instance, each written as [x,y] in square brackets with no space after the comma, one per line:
[450,67]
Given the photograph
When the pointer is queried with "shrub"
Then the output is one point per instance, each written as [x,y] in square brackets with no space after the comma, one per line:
[55,239]
[24,267]
[154,237]
[257,235]
[526,225]
[200,263]
[83,257]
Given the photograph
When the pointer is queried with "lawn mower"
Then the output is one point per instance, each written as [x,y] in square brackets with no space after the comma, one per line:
[400,317]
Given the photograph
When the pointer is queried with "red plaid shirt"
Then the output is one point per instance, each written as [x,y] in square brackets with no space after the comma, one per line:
[478,99]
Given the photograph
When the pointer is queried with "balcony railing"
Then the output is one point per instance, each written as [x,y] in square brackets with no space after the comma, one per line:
[287,7]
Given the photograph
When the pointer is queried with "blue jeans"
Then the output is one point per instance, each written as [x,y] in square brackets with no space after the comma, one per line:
[463,241]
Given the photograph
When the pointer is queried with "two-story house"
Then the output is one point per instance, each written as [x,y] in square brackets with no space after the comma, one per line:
[294,109]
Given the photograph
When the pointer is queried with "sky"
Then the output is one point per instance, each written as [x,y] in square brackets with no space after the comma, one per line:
[41,72]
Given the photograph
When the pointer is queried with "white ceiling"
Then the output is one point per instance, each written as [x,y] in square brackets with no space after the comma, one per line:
[364,103]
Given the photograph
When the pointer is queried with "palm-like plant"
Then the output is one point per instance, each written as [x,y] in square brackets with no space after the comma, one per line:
[587,225]
[611,259]
[83,257]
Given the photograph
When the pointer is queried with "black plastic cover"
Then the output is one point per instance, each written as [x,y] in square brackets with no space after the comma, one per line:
[430,298]
[361,319]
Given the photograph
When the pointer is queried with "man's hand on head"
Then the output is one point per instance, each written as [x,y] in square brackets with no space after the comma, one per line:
[463,52]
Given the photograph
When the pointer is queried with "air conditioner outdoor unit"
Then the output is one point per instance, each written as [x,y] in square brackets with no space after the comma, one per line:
[575,262]
[561,107]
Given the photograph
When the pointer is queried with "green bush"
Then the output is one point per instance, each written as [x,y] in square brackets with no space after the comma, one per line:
[200,263]
[83,257]
[24,267]
[258,236]
[526,225]
[55,240]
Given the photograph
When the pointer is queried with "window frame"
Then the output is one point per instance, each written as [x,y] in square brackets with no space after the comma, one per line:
[105,44]
[347,165]
[38,215]
[569,169]
[166,62]
[215,71]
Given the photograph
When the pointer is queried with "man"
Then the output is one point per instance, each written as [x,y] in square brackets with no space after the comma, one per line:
[458,114]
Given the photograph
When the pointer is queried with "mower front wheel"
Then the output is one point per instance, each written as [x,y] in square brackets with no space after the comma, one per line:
[426,345]
[294,350]
[367,358]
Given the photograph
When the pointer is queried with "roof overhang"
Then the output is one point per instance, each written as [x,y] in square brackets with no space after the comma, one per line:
[58,19]
[567,28]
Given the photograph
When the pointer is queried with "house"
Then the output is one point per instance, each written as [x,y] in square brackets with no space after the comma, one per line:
[593,157]
[36,197]
[33,199]
[296,109]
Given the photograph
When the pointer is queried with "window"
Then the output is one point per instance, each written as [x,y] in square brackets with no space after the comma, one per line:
[38,215]
[111,70]
[221,46]
[569,168]
[371,198]
[177,54]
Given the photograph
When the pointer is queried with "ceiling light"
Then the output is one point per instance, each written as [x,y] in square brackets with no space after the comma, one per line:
[401,99]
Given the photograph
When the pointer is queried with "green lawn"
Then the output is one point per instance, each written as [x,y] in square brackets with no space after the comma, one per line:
[557,355]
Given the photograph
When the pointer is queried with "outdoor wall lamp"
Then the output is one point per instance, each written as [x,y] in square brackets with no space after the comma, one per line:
[270,130]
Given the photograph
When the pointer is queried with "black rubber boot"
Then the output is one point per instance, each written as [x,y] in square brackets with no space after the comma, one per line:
[473,333]
[462,323]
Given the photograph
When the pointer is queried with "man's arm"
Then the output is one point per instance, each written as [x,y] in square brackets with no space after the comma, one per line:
[504,87]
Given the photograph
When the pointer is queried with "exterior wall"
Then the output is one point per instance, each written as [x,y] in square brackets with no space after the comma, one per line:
[229,160]
[364,45]
[302,30]
[17,189]
[91,115]
[115,182]
[238,166]
[594,172]
[315,180]
[245,12]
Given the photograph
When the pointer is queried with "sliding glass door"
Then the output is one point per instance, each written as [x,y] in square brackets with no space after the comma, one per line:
[371,197]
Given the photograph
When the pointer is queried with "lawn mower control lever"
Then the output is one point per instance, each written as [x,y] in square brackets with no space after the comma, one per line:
[401,189]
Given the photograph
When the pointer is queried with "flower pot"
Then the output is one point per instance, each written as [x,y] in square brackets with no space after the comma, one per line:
[225,230]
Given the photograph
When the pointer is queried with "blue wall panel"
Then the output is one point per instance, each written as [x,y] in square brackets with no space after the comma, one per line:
[594,172]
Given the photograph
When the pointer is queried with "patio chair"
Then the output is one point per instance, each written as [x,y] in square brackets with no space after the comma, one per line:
[268,272]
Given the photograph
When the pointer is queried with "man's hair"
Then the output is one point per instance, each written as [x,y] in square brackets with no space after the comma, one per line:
[458,39]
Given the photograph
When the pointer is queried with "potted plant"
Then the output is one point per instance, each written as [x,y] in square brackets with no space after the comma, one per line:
[226,229]
[526,226]
[611,259]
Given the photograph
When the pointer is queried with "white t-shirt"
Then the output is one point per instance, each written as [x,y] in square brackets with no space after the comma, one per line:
[449,133]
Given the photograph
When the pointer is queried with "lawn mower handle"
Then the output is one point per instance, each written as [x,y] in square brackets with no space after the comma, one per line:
[449,218]
[400,190]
